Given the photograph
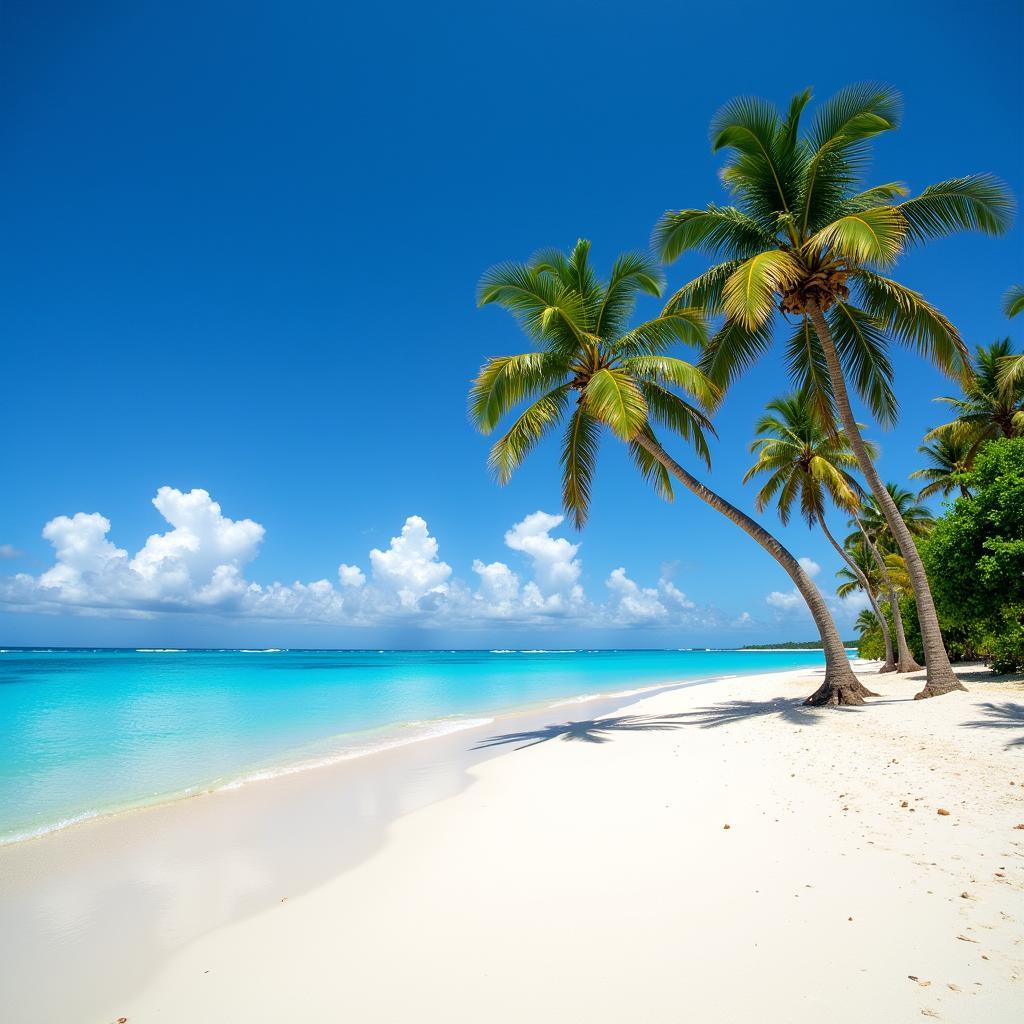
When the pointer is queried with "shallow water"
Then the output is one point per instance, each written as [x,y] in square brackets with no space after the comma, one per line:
[86,732]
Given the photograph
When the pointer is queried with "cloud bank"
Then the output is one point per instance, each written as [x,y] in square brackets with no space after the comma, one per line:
[199,565]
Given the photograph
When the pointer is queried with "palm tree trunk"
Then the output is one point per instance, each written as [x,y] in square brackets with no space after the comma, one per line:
[940,675]
[841,685]
[905,661]
[890,663]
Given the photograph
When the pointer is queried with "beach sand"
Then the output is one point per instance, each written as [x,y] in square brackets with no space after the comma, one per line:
[716,853]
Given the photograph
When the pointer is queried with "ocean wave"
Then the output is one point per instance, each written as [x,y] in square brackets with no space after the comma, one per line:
[160,650]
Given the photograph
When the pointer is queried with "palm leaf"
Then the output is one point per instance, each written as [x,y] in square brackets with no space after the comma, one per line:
[978,202]
[749,293]
[704,292]
[579,459]
[510,450]
[907,316]
[613,397]
[1013,300]
[870,236]
[677,372]
[651,468]
[861,346]
[717,229]
[505,381]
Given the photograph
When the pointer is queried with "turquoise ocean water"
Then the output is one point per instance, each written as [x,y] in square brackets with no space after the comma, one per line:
[86,732]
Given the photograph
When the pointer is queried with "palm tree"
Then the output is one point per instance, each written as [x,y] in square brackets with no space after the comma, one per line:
[806,238]
[807,464]
[867,578]
[1013,300]
[872,528]
[591,371]
[991,406]
[950,458]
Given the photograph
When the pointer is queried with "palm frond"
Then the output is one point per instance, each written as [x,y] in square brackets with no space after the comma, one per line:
[749,293]
[978,202]
[704,292]
[714,230]
[532,424]
[676,372]
[686,420]
[682,324]
[732,349]
[861,345]
[579,460]
[907,316]
[651,468]
[613,397]
[505,381]
[632,272]
[871,236]
[1013,300]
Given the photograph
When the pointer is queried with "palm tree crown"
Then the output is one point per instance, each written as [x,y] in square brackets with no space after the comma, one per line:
[949,459]
[804,231]
[804,462]
[918,518]
[621,378]
[991,405]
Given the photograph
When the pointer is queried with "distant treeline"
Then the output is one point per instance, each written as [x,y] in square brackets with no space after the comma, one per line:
[792,645]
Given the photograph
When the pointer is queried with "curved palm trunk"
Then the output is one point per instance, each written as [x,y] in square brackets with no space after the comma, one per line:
[940,678]
[841,685]
[905,661]
[890,662]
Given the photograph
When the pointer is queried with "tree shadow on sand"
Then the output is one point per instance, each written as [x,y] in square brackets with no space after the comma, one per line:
[594,730]
[1001,716]
[601,730]
[789,709]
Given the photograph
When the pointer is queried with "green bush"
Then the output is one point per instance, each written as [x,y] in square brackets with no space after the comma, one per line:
[975,562]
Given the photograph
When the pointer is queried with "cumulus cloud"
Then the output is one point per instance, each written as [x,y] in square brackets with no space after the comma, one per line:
[199,564]
[410,566]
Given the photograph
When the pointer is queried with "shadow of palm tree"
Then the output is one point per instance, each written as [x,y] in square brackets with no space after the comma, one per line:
[1001,716]
[594,730]
[789,709]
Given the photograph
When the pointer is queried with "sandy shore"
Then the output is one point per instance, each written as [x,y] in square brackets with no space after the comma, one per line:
[587,874]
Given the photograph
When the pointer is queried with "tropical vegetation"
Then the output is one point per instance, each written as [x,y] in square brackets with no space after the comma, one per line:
[806,238]
[589,372]
[807,243]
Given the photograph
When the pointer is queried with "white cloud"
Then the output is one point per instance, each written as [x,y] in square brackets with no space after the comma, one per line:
[199,563]
[556,570]
[785,601]
[351,575]
[410,566]
[809,566]
[10,551]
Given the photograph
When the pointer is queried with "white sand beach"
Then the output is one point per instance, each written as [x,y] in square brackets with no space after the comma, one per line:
[717,853]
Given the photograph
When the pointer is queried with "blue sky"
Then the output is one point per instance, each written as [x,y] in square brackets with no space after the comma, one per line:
[242,243]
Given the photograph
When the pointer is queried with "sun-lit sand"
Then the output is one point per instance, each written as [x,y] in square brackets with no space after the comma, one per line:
[716,854]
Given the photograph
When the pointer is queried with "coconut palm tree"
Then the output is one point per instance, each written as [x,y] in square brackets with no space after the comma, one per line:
[591,371]
[950,458]
[990,406]
[805,237]
[808,465]
[872,528]
[868,579]
[1013,300]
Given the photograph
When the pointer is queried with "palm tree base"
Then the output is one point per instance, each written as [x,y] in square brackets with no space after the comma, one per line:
[887,668]
[937,687]
[831,693]
[909,665]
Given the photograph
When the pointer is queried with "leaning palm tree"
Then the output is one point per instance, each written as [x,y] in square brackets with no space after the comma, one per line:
[806,464]
[590,371]
[949,458]
[872,528]
[990,406]
[805,237]
[867,579]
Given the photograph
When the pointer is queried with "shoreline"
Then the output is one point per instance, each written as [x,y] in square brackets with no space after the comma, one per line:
[153,915]
[391,738]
